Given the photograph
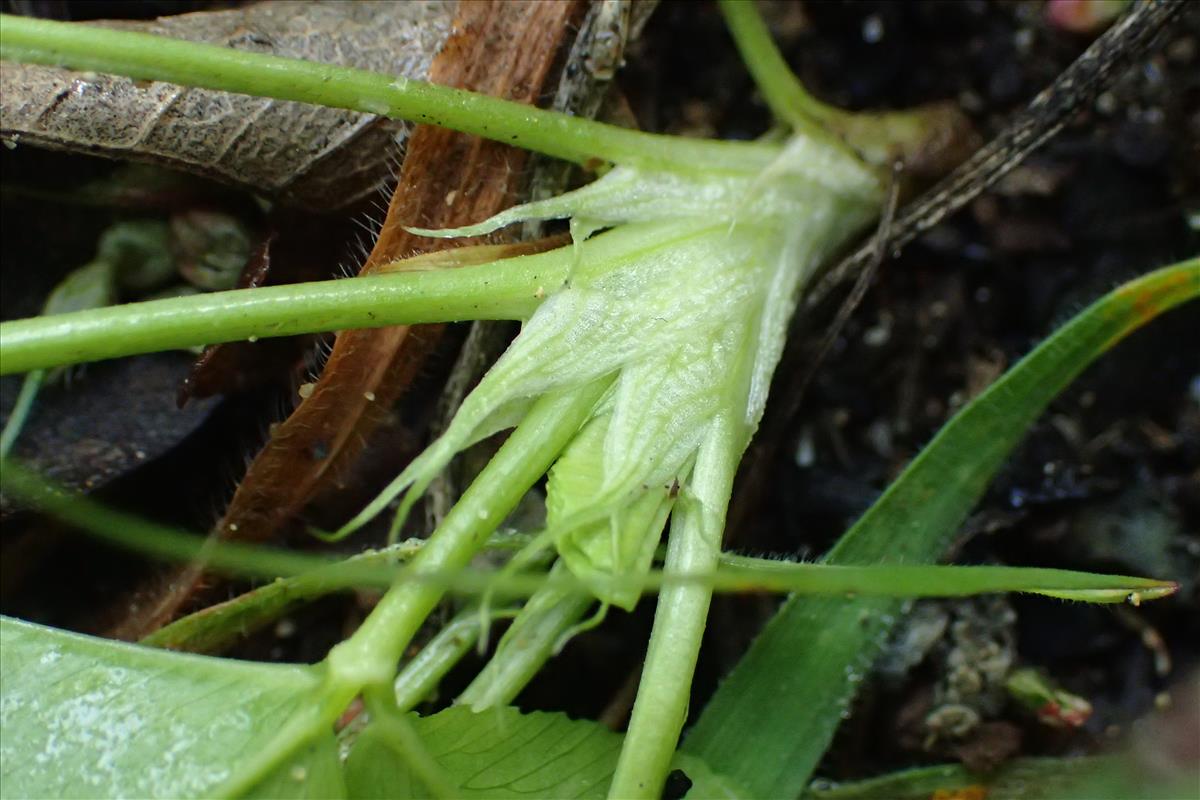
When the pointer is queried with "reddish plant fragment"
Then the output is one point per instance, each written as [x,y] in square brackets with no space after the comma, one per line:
[973,792]
[1084,16]
[501,48]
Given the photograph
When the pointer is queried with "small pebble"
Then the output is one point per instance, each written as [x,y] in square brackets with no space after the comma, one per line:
[877,335]
[872,29]
[806,451]
[1106,103]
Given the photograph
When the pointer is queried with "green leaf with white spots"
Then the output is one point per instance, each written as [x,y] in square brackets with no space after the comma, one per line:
[90,718]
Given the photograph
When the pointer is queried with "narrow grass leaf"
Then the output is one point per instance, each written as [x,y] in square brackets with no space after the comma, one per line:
[218,626]
[902,580]
[771,720]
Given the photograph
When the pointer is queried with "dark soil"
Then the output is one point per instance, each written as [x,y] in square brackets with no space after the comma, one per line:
[1107,480]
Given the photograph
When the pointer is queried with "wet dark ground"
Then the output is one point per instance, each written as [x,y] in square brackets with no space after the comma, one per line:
[1107,480]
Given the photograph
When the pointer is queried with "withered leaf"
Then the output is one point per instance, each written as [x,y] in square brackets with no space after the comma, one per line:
[314,157]
[501,48]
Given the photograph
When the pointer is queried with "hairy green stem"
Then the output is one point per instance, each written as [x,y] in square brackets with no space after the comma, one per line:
[694,546]
[160,541]
[20,410]
[508,289]
[522,460]
[787,98]
[735,573]
[148,57]
[216,627]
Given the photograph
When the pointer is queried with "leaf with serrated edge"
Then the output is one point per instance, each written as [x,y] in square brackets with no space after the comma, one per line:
[499,753]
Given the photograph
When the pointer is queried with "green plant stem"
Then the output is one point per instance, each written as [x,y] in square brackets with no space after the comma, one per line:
[366,662]
[735,573]
[148,57]
[216,627]
[20,410]
[787,98]
[502,290]
[523,459]
[694,546]
[421,675]
[526,646]
[160,541]
[878,138]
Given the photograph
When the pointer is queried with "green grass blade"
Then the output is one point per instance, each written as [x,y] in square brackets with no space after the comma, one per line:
[216,627]
[926,580]
[304,576]
[1121,776]
[770,721]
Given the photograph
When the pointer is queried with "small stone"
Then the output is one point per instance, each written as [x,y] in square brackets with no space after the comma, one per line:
[872,29]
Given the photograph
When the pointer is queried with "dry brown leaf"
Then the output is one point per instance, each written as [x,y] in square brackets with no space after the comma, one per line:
[321,158]
[502,48]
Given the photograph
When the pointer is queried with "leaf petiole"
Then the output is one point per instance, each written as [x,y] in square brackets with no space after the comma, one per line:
[148,57]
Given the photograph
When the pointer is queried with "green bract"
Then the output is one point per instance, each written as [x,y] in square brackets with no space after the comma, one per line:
[681,307]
